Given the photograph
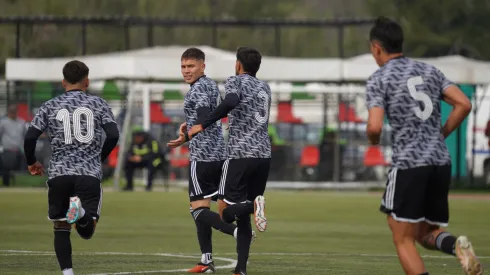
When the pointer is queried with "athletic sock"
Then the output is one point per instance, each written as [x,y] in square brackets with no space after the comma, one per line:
[62,247]
[206,216]
[243,241]
[236,210]
[204,233]
[446,243]
[426,273]
[206,258]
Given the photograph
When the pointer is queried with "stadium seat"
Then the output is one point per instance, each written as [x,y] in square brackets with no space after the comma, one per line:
[374,157]
[310,156]
[157,115]
[23,112]
[285,113]
[179,159]
[348,114]
[110,91]
[112,159]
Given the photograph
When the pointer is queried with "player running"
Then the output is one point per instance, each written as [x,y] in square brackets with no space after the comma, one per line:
[74,122]
[416,197]
[207,155]
[245,172]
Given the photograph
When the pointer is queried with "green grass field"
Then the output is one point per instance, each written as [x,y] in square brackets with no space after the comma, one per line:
[153,233]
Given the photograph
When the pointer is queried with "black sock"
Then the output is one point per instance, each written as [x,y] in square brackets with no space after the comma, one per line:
[204,235]
[236,210]
[446,242]
[206,216]
[426,273]
[86,226]
[62,247]
[243,242]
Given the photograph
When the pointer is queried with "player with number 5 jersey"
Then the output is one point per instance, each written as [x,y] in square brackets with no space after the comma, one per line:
[74,123]
[415,201]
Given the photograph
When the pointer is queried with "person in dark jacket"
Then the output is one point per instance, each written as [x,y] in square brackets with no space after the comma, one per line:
[144,152]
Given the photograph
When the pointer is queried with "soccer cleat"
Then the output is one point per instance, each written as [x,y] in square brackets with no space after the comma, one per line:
[73,212]
[203,268]
[259,213]
[239,273]
[466,255]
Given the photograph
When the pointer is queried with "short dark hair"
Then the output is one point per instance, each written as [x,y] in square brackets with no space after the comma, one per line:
[193,53]
[389,33]
[75,71]
[250,59]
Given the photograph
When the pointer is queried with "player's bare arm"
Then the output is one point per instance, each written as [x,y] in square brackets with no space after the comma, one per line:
[461,108]
[375,124]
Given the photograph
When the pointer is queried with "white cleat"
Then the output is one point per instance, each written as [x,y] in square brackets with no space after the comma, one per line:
[259,213]
[466,255]
[73,213]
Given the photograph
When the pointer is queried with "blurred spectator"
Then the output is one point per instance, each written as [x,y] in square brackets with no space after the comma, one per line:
[144,152]
[12,131]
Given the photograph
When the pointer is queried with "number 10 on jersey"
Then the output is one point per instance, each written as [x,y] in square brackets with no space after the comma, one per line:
[63,115]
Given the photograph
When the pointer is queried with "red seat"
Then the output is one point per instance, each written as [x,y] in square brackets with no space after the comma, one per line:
[310,157]
[180,158]
[112,159]
[374,157]
[348,114]
[24,112]
[157,115]
[285,113]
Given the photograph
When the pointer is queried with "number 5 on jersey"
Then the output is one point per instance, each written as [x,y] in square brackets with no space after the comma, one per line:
[63,115]
[263,119]
[420,96]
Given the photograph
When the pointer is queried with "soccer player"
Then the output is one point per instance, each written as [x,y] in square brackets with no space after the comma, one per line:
[247,104]
[74,122]
[416,197]
[207,154]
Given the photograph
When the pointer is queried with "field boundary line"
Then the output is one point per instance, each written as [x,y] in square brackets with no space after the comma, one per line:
[231,262]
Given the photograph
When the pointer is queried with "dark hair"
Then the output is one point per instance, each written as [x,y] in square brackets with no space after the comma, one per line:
[250,59]
[75,71]
[193,53]
[389,33]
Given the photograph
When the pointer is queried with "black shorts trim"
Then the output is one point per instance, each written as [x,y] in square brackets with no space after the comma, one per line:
[418,194]
[243,180]
[204,179]
[60,189]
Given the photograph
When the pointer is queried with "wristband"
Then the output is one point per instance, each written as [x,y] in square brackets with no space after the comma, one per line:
[186,136]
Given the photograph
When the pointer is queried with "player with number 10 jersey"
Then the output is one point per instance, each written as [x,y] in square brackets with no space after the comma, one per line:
[73,121]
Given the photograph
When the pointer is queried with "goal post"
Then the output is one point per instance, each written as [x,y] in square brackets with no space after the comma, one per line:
[323,110]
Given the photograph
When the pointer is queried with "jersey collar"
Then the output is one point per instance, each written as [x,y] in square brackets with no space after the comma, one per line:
[74,90]
[192,84]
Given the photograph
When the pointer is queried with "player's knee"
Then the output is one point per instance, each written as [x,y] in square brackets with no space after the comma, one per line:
[221,207]
[61,225]
[201,203]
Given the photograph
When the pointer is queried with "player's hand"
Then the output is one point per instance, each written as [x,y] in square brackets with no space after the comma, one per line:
[36,169]
[183,128]
[196,129]
[177,142]
[135,158]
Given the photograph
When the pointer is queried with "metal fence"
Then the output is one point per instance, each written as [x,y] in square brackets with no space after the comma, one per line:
[156,31]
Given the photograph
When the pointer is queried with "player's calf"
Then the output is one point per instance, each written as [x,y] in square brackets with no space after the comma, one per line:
[404,240]
[62,246]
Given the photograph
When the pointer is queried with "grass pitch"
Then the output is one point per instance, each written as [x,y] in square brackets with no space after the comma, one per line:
[153,233]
